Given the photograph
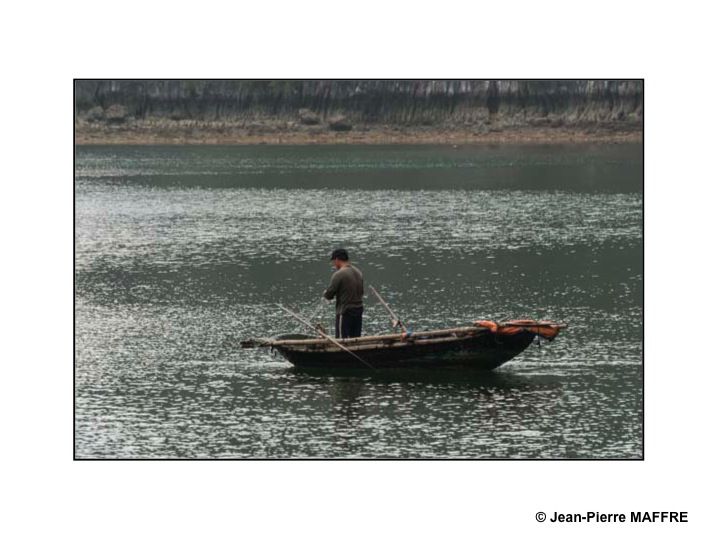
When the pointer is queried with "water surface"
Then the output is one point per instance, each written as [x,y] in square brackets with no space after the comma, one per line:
[181,251]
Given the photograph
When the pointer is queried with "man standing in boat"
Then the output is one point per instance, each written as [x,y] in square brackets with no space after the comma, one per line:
[346,286]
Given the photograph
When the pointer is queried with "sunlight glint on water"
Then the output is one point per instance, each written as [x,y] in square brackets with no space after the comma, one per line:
[182,250]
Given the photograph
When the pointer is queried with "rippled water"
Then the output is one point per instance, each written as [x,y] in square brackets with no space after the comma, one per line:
[181,251]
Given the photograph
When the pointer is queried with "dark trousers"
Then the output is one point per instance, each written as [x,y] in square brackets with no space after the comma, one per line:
[349,324]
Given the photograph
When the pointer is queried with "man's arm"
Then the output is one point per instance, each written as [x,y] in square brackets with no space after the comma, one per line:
[332,289]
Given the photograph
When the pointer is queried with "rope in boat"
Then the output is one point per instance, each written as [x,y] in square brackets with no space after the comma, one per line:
[314,316]
[317,312]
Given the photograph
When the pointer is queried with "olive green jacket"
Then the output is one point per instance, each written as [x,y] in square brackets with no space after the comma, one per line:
[346,286]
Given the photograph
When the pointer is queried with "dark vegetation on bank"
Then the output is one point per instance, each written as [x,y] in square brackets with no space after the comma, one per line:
[231,111]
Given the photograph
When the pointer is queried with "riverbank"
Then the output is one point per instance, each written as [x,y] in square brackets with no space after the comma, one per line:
[210,133]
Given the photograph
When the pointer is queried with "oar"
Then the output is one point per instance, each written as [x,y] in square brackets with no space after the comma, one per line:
[323,334]
[395,319]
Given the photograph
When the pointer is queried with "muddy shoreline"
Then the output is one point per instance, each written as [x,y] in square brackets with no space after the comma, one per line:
[228,134]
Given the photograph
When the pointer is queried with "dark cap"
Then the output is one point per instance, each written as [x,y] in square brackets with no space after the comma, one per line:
[339,253]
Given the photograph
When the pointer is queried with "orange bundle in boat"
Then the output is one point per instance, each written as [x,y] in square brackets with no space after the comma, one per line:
[546,329]
[487,324]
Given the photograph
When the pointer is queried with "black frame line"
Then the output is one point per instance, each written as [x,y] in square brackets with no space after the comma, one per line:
[642,266]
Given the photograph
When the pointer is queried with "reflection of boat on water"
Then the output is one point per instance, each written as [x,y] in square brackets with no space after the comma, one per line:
[483,380]
[484,345]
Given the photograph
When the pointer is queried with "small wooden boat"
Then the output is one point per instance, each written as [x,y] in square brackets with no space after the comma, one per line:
[483,345]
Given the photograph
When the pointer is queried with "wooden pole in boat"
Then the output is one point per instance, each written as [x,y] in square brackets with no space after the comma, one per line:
[323,334]
[395,319]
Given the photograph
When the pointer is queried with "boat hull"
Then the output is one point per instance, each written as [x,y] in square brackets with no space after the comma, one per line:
[484,351]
